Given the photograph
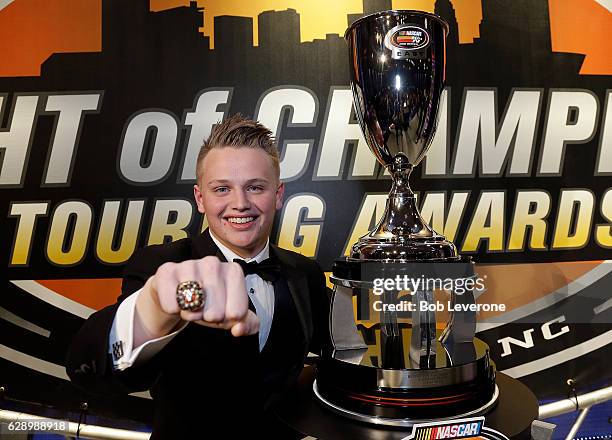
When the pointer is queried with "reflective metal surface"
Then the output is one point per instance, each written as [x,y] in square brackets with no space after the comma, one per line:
[423,340]
[397,77]
[456,338]
[406,422]
[443,360]
[441,377]
[394,367]
[342,330]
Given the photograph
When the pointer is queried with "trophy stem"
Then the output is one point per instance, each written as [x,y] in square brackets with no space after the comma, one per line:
[401,233]
[402,218]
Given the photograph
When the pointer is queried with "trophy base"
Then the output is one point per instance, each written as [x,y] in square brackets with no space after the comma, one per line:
[512,414]
[405,422]
[352,383]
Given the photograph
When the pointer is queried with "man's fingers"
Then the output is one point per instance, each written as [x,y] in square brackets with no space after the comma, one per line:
[239,329]
[211,271]
[237,300]
[248,326]
[226,299]
[164,282]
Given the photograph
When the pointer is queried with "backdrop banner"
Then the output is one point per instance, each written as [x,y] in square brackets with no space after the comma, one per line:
[105,103]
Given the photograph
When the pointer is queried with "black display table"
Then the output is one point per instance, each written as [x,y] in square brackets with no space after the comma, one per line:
[516,409]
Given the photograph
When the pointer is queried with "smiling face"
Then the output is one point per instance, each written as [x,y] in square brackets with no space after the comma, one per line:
[239,191]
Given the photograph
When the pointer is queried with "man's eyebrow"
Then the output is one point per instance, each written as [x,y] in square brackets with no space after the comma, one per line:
[257,180]
[227,182]
[217,182]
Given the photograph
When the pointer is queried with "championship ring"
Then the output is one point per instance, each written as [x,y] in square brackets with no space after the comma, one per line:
[189,295]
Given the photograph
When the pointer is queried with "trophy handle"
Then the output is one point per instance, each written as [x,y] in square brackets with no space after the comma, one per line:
[458,335]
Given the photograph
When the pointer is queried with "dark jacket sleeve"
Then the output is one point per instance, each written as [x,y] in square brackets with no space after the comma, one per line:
[88,363]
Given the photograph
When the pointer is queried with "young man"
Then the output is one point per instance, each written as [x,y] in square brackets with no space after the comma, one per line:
[216,326]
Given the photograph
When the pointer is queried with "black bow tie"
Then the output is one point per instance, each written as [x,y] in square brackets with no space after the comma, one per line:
[268,270]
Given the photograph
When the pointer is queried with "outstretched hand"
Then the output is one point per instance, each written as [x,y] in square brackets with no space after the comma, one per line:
[226,301]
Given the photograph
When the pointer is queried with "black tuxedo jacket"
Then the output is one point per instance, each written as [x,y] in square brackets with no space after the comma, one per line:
[205,380]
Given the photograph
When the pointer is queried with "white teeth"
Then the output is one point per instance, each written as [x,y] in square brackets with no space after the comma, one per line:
[240,219]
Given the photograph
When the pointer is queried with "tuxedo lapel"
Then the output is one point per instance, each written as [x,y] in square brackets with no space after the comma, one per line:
[204,246]
[298,288]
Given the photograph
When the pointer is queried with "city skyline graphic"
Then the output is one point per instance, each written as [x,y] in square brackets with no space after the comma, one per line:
[27,39]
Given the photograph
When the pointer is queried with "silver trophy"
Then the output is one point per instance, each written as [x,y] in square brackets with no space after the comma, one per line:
[396,373]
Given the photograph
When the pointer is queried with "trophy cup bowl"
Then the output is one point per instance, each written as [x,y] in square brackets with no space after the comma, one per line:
[397,372]
[397,78]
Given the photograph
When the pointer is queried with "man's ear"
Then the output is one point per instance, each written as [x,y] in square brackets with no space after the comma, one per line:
[197,195]
[280,195]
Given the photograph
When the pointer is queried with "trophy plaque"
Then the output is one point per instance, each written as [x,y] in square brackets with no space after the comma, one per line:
[401,367]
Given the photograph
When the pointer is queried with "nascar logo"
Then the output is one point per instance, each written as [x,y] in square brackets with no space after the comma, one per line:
[406,38]
[409,38]
[455,429]
[449,432]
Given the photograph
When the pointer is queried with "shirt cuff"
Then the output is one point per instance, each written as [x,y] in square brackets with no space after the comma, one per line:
[120,343]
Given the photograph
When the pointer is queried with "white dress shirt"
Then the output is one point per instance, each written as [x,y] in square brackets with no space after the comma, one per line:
[120,343]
